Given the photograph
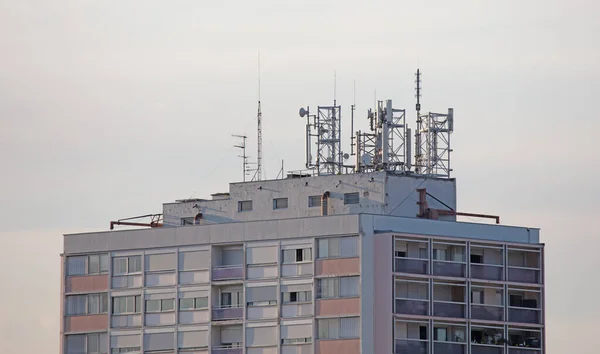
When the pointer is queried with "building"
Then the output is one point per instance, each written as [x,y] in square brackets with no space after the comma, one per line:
[369,262]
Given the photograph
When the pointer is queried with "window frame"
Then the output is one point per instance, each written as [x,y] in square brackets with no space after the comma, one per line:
[241,204]
[195,301]
[294,252]
[333,247]
[333,323]
[307,297]
[87,261]
[337,287]
[161,305]
[88,301]
[137,306]
[311,199]
[276,202]
[127,265]
[348,201]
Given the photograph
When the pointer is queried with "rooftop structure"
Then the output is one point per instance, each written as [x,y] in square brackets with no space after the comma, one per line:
[359,258]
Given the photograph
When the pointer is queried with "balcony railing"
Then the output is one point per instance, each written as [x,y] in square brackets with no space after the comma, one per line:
[228,272]
[227,349]
[412,307]
[410,346]
[487,271]
[448,269]
[524,315]
[524,350]
[414,266]
[449,348]
[524,275]
[488,313]
[227,313]
[449,309]
[486,349]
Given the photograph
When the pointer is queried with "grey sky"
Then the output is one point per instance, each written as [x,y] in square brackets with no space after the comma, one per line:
[109,108]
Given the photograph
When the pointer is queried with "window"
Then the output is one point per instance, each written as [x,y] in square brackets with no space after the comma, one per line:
[193,303]
[314,201]
[261,296]
[125,350]
[94,343]
[515,300]
[440,254]
[297,296]
[280,203]
[297,255]
[296,340]
[126,304]
[338,247]
[477,296]
[476,258]
[245,205]
[127,265]
[336,328]
[231,299]
[87,304]
[87,265]
[351,198]
[440,334]
[163,305]
[328,288]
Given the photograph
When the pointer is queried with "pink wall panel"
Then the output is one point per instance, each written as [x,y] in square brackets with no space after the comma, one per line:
[86,323]
[342,346]
[336,307]
[340,266]
[86,284]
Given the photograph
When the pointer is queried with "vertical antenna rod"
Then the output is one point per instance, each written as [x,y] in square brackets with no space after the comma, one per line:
[352,108]
[418,152]
[242,146]
[259,121]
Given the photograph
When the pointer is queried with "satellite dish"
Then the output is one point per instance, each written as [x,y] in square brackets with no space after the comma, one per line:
[302,112]
[346,156]
[366,160]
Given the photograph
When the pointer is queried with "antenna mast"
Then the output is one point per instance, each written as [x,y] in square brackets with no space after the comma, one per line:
[418,151]
[259,121]
[242,146]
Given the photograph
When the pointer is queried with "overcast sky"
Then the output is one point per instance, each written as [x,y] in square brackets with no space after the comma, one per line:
[110,108]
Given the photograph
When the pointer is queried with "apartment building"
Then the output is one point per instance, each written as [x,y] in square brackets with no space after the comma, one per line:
[350,263]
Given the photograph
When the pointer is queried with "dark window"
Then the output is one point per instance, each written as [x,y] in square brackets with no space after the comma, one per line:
[299,255]
[293,296]
[400,253]
[475,258]
[423,332]
[351,198]
[516,300]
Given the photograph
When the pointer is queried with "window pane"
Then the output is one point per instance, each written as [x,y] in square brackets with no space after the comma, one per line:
[152,305]
[76,305]
[138,304]
[168,305]
[186,304]
[92,343]
[119,265]
[104,263]
[76,344]
[348,286]
[314,201]
[289,256]
[328,288]
[349,327]
[351,198]
[306,254]
[135,264]
[323,329]
[225,299]
[334,247]
[202,302]
[349,246]
[103,303]
[130,304]
[94,304]
[323,248]
[334,328]
[94,264]
[76,265]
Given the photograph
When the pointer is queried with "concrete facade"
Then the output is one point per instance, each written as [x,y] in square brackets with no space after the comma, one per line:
[368,277]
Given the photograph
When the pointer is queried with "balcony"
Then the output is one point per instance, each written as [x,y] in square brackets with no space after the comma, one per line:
[488,313]
[449,348]
[524,275]
[524,315]
[227,313]
[412,307]
[410,346]
[227,350]
[231,272]
[486,349]
[449,269]
[524,350]
[449,309]
[487,271]
[413,266]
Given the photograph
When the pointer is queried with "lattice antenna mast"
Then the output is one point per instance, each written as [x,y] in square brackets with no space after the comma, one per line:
[418,152]
[259,131]
[243,156]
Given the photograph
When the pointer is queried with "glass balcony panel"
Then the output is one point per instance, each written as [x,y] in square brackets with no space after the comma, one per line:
[231,313]
[447,269]
[449,348]
[488,313]
[412,307]
[482,271]
[414,266]
[481,349]
[524,350]
[445,309]
[523,315]
[226,273]
[410,346]
[521,275]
